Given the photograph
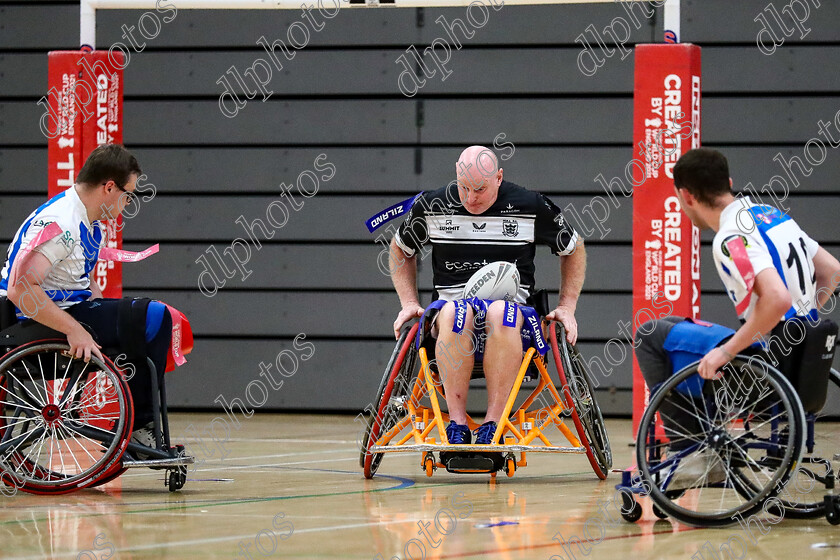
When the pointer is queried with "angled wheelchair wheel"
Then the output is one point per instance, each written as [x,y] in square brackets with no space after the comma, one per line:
[728,446]
[394,389]
[63,422]
[804,494]
[580,398]
[117,469]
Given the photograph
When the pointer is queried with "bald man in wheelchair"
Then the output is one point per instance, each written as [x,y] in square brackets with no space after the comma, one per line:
[478,219]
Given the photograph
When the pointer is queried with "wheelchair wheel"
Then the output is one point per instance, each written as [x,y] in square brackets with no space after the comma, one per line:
[804,494]
[733,442]
[393,389]
[63,422]
[580,398]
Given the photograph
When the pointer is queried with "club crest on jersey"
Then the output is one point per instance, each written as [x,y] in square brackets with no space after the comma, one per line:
[829,342]
[510,228]
[725,249]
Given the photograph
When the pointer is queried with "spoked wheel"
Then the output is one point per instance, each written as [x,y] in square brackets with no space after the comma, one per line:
[63,422]
[393,390]
[580,398]
[803,495]
[733,443]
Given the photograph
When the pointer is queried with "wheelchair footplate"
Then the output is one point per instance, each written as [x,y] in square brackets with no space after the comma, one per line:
[476,463]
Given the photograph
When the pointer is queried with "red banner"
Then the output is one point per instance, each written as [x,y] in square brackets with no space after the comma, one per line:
[666,246]
[84,111]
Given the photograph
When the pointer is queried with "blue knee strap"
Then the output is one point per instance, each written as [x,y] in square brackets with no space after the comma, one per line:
[532,333]
[154,318]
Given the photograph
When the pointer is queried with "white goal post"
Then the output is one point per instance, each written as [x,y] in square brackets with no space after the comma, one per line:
[87,8]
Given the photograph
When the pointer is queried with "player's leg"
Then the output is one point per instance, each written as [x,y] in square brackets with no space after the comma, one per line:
[103,318]
[502,358]
[454,357]
[650,349]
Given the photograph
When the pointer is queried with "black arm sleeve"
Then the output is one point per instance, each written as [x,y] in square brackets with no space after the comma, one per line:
[413,232]
[552,229]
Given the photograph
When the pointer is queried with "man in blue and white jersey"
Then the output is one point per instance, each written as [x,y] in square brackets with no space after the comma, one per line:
[772,270]
[50,281]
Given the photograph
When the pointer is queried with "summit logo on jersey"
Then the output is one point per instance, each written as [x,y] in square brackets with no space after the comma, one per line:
[447,227]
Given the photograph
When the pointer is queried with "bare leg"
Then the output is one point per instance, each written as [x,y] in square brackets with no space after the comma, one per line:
[502,358]
[454,357]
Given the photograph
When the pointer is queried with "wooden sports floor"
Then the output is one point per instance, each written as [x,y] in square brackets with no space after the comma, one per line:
[291,487]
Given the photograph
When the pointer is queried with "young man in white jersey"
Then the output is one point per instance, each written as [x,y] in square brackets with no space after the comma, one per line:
[50,281]
[771,269]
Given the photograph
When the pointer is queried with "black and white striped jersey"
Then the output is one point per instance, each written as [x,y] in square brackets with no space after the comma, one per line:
[461,242]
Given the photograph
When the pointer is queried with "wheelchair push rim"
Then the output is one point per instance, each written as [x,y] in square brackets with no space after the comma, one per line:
[402,360]
[63,422]
[733,443]
[586,414]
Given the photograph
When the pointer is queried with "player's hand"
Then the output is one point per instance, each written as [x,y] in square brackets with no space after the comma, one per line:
[711,363]
[407,313]
[82,344]
[567,317]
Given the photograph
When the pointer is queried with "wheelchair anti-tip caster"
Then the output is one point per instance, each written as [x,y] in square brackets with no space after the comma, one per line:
[631,510]
[659,513]
[510,464]
[832,509]
[176,479]
[429,463]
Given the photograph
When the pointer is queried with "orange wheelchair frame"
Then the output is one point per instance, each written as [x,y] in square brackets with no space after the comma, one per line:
[408,416]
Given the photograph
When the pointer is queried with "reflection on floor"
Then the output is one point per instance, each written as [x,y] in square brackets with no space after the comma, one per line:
[290,486]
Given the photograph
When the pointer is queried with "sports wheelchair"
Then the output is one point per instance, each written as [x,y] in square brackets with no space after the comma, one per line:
[406,412]
[711,453]
[65,424]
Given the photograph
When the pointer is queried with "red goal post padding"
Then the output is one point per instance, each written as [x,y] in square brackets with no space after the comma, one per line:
[84,110]
[666,245]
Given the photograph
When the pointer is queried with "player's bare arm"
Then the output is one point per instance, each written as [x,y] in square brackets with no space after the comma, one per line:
[773,301]
[95,292]
[827,272]
[34,268]
[572,275]
[404,277]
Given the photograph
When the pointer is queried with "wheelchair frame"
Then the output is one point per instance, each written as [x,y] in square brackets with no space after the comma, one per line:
[402,423]
[781,437]
[73,413]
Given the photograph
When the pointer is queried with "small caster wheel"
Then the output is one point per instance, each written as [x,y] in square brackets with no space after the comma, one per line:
[631,510]
[177,479]
[659,513]
[429,464]
[832,510]
[510,465]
